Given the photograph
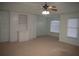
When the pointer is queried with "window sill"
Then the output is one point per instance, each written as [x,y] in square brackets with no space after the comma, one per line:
[72,37]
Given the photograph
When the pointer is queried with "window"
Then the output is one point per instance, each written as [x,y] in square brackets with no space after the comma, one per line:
[54,26]
[72,28]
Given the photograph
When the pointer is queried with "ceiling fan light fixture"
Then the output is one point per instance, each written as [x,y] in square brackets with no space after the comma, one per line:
[48,8]
[45,12]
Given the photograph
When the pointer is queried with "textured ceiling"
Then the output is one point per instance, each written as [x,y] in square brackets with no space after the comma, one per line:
[36,7]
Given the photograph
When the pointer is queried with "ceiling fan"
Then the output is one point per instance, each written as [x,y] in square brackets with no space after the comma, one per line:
[47,8]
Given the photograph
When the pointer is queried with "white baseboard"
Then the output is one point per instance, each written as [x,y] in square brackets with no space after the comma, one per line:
[70,42]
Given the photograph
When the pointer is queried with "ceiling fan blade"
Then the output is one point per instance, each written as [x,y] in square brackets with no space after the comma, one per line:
[54,9]
[53,6]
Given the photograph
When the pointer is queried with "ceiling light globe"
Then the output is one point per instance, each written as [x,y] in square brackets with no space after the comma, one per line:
[45,12]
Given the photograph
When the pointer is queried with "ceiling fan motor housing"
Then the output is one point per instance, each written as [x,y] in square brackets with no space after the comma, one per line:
[45,6]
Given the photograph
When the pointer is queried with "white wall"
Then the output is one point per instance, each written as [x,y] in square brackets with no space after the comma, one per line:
[4,26]
[63,29]
[42,26]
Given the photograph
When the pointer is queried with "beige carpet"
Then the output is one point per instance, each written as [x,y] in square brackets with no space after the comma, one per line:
[41,46]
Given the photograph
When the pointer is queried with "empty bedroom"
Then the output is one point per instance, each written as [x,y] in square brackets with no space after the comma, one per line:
[39,29]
